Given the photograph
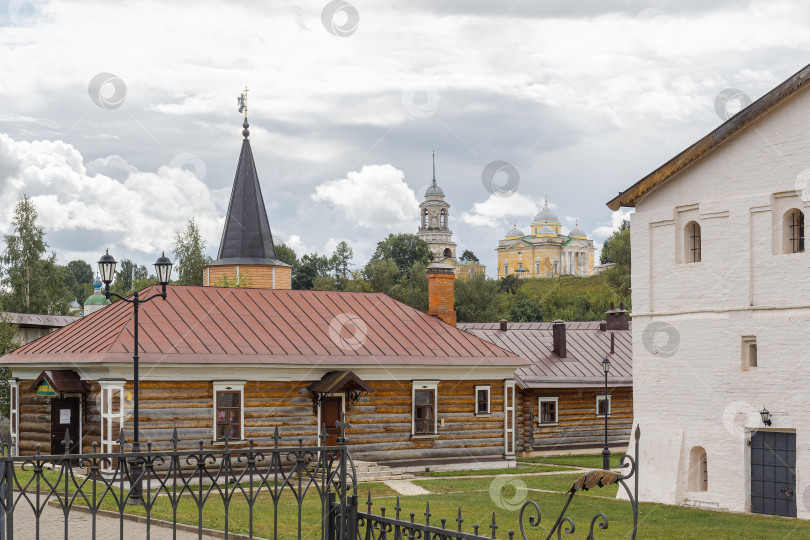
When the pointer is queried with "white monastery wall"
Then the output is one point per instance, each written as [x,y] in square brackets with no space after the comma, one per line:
[690,388]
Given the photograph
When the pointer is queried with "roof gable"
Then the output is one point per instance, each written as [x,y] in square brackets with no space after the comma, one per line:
[714,139]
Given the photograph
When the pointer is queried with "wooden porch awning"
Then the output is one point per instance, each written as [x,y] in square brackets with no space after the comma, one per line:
[61,380]
[339,381]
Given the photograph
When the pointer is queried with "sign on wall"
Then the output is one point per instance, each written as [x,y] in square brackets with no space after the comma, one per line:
[45,389]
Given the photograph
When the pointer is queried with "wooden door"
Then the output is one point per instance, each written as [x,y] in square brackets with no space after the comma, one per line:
[773,473]
[64,416]
[330,415]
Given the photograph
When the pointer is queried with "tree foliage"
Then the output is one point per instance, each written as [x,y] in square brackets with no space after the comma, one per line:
[404,250]
[189,254]
[78,279]
[310,266]
[7,344]
[617,251]
[468,256]
[32,280]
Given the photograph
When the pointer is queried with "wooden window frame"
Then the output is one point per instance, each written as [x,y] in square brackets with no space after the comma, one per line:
[112,415]
[600,397]
[540,401]
[425,386]
[220,387]
[488,390]
[14,415]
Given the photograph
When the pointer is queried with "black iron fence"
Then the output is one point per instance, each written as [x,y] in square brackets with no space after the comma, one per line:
[294,491]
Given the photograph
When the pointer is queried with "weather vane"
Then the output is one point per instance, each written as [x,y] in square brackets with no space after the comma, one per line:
[242,101]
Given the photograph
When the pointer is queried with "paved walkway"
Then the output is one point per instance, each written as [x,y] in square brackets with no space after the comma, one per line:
[80,526]
[406,487]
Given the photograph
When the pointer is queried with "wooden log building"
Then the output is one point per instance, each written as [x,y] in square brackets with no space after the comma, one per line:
[561,395]
[237,362]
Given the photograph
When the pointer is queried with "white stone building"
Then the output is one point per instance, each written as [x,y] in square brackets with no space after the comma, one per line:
[721,313]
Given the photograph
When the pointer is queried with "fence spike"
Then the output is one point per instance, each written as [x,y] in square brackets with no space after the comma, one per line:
[459,520]
[511,534]
[37,448]
[427,513]
[444,520]
[148,446]
[95,446]
[121,440]
[494,526]
[382,511]
[300,442]
[475,528]
[398,508]
[66,441]
[201,445]
[175,439]
[638,432]
[369,501]
[276,437]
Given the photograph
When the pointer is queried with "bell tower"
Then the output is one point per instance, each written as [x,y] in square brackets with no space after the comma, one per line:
[434,222]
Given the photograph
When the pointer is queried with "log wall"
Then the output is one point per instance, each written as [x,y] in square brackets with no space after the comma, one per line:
[380,422]
[578,427]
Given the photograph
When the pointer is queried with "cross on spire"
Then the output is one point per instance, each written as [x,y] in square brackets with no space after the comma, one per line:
[434,167]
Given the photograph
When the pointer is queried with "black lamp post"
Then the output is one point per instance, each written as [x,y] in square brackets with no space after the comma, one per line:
[606,451]
[163,269]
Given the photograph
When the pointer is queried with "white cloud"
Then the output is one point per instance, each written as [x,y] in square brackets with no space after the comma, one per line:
[141,211]
[603,231]
[497,210]
[377,197]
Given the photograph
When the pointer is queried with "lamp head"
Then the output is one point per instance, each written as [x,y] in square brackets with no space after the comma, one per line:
[163,269]
[106,267]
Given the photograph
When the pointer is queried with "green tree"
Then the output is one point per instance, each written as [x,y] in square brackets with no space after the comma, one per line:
[381,275]
[524,308]
[340,262]
[617,251]
[33,282]
[509,283]
[404,250]
[468,256]
[189,254]
[78,280]
[286,255]
[7,344]
[476,299]
[413,287]
[310,267]
[130,277]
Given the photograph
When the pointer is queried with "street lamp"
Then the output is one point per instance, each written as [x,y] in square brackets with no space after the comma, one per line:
[163,269]
[606,451]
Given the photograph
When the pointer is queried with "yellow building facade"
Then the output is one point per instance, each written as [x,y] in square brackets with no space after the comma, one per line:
[545,251]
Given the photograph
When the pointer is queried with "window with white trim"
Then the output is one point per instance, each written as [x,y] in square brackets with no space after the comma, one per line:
[423,409]
[602,405]
[482,400]
[14,415]
[547,410]
[111,406]
[229,410]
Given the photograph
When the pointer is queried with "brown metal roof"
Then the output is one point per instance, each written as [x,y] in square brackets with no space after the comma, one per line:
[586,348]
[212,325]
[30,320]
[724,132]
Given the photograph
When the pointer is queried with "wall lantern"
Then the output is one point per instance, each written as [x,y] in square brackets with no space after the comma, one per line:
[766,416]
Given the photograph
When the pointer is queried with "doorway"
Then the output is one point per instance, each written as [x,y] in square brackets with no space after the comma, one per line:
[65,416]
[773,473]
[331,408]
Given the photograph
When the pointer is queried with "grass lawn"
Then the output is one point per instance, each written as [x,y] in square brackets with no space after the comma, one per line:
[474,496]
[521,468]
[590,461]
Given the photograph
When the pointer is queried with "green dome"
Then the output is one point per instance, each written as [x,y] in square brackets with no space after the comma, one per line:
[97,299]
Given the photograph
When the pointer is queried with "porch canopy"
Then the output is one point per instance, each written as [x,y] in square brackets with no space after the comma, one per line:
[61,380]
[339,381]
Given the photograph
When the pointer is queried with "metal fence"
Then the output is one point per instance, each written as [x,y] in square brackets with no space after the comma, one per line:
[175,487]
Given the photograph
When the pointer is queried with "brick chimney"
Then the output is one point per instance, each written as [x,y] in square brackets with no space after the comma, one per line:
[617,319]
[558,333]
[441,292]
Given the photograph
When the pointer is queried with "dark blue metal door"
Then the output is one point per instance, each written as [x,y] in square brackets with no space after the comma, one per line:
[773,473]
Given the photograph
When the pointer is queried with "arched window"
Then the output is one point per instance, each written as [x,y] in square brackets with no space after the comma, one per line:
[698,469]
[793,231]
[424,219]
[442,220]
[691,242]
[447,252]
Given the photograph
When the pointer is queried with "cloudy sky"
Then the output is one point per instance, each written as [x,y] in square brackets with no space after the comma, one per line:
[120,119]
